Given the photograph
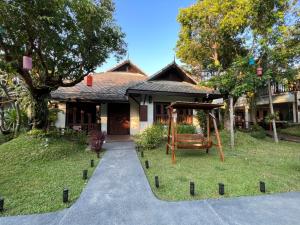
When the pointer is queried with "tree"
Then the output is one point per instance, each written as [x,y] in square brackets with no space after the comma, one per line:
[224,35]
[209,37]
[66,40]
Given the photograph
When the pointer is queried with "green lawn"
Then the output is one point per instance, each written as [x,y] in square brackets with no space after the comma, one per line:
[294,131]
[32,175]
[251,161]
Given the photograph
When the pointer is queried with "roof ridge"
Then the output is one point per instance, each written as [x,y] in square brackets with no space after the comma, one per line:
[177,66]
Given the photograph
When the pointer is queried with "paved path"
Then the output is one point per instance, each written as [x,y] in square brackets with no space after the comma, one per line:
[285,137]
[119,193]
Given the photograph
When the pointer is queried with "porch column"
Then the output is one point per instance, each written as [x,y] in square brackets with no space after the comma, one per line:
[61,116]
[295,111]
[103,109]
[247,116]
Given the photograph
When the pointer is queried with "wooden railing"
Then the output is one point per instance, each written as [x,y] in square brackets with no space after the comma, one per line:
[84,126]
[163,119]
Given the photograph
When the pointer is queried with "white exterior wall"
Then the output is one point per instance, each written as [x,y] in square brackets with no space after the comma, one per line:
[155,98]
[134,117]
[103,109]
[61,116]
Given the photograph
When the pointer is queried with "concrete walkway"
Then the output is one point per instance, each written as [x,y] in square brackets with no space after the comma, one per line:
[119,193]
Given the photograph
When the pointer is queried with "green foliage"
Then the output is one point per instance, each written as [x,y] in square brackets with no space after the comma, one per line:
[293,130]
[65,39]
[10,116]
[79,137]
[209,32]
[5,138]
[258,132]
[201,116]
[271,29]
[53,115]
[186,129]
[151,137]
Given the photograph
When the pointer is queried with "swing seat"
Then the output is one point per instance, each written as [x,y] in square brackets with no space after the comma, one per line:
[192,141]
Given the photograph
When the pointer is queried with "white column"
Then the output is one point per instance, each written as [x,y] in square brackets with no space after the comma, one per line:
[103,109]
[61,116]
[247,117]
[134,117]
[294,112]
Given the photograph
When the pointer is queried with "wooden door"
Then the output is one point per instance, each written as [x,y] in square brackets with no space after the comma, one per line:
[118,119]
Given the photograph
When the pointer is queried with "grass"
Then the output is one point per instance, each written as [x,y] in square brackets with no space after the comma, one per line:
[294,131]
[251,161]
[33,175]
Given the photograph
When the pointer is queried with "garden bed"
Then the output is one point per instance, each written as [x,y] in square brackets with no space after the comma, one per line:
[34,171]
[253,160]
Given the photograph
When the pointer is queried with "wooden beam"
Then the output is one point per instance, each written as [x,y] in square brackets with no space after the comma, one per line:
[218,137]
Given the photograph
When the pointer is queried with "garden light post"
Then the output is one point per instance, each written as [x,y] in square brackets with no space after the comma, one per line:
[262,186]
[1,204]
[221,189]
[65,195]
[84,174]
[192,188]
[156,182]
[92,163]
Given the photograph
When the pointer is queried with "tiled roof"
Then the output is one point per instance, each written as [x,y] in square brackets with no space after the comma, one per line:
[171,87]
[110,86]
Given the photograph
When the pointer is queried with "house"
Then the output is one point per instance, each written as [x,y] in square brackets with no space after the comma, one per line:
[124,100]
[286,103]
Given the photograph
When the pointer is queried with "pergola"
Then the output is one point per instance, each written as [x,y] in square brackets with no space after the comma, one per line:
[192,141]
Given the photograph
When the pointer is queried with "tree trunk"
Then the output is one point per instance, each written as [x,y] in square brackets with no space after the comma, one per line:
[40,110]
[272,112]
[296,106]
[18,119]
[226,117]
[231,117]
[253,109]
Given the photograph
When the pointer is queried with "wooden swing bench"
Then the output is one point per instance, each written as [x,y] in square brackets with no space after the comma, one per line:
[192,141]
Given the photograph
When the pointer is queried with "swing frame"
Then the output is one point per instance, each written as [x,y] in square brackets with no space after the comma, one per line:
[193,141]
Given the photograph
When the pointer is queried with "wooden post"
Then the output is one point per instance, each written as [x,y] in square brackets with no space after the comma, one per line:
[173,138]
[74,115]
[81,117]
[208,126]
[218,139]
[169,130]
[231,116]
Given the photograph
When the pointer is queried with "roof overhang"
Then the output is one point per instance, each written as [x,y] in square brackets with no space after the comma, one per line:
[194,105]
[168,93]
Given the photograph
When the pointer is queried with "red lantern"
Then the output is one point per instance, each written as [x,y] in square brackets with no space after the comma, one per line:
[89,80]
[27,63]
[259,71]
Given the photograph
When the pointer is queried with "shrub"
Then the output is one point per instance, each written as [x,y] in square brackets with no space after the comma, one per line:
[186,129]
[258,132]
[151,137]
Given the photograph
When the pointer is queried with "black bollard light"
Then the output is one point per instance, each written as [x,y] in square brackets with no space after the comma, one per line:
[92,163]
[192,188]
[147,164]
[142,154]
[65,195]
[1,204]
[221,189]
[84,174]
[156,182]
[262,186]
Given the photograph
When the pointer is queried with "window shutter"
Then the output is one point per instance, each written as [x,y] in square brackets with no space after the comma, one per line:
[143,113]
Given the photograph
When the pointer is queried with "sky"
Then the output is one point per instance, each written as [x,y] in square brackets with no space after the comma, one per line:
[151,32]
